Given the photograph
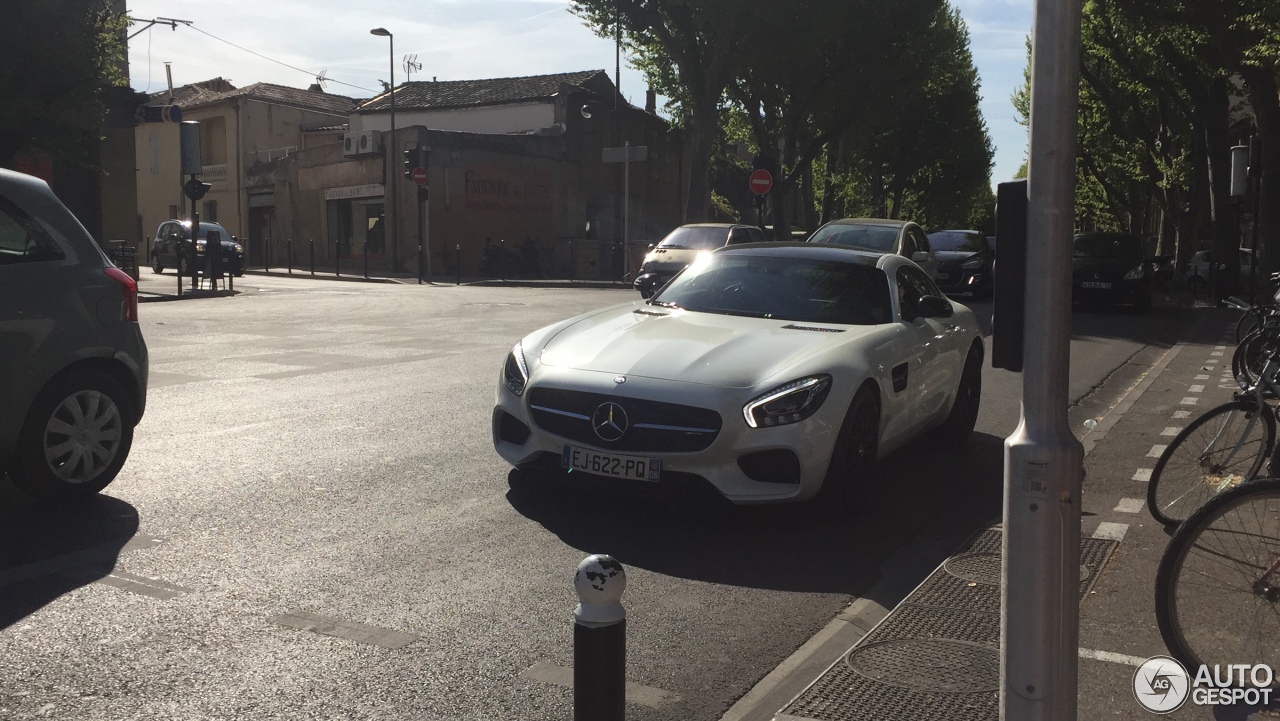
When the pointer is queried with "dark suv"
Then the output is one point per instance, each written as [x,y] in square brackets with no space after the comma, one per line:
[683,245]
[1110,268]
[172,247]
[73,365]
[965,260]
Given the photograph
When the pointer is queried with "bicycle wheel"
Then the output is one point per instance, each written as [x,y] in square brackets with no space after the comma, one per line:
[1247,324]
[1221,449]
[1218,585]
[1252,354]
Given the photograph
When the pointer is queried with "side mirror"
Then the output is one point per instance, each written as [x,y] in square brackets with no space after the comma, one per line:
[931,306]
[920,256]
[652,246]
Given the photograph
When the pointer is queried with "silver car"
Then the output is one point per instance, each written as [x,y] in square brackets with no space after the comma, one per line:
[885,236]
[72,357]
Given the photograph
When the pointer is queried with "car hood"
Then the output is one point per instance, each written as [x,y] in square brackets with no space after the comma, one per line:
[953,257]
[689,347]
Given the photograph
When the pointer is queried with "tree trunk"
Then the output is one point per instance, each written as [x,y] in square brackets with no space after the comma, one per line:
[704,124]
[778,203]
[896,211]
[829,184]
[1226,228]
[1264,97]
[808,204]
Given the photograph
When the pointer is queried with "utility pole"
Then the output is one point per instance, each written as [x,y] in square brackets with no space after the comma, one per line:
[1043,471]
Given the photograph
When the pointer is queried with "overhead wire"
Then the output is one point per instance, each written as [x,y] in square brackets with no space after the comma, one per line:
[278,62]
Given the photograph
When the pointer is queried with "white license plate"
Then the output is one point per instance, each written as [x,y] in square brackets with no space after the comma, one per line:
[1093,284]
[611,464]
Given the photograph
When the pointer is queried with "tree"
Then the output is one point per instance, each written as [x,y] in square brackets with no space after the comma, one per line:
[689,50]
[57,57]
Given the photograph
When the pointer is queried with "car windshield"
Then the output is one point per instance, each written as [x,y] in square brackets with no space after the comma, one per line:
[804,290]
[957,241]
[695,238]
[872,237]
[206,228]
[1108,247]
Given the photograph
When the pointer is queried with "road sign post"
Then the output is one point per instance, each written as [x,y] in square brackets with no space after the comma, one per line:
[626,155]
[761,182]
[1043,471]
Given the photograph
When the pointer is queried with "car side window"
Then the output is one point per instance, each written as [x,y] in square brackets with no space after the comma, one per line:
[908,245]
[757,235]
[23,239]
[739,235]
[908,296]
[922,240]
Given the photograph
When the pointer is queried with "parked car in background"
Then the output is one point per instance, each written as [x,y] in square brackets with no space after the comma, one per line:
[1162,271]
[73,364]
[964,262]
[886,236]
[1201,267]
[683,245]
[172,247]
[1110,269]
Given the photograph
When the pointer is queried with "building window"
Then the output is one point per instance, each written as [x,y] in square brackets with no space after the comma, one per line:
[173,212]
[210,211]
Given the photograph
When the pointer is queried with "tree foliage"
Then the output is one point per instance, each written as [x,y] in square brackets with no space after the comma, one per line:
[56,56]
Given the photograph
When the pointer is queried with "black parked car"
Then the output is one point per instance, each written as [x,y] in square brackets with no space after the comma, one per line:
[174,237]
[683,245]
[964,262]
[1110,269]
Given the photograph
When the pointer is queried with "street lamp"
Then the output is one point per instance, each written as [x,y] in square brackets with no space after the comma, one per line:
[386,164]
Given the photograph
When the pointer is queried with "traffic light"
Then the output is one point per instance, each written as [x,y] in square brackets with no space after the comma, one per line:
[410,161]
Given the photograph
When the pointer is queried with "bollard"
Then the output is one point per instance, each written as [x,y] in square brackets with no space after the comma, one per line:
[573,265]
[148,247]
[599,641]
[419,264]
[457,264]
[313,256]
[337,263]
[289,250]
[177,255]
[266,256]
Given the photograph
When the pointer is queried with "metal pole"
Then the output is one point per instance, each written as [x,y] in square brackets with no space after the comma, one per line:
[421,223]
[289,248]
[337,260]
[313,256]
[194,265]
[391,183]
[457,264]
[626,208]
[266,254]
[1040,609]
[599,641]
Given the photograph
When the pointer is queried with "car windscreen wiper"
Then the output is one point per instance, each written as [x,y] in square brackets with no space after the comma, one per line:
[674,247]
[743,313]
[665,304]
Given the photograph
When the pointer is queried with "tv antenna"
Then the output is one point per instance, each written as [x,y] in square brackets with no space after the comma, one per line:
[321,79]
[411,64]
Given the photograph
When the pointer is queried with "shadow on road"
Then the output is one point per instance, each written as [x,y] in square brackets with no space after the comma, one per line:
[920,490]
[52,550]
[1162,325]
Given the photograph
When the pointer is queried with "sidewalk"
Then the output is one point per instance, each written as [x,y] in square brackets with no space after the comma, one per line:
[411,279]
[936,654]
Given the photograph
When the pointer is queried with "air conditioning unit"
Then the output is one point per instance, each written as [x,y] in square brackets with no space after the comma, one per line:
[367,143]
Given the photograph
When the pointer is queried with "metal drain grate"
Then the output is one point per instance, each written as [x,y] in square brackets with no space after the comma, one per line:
[937,654]
[929,664]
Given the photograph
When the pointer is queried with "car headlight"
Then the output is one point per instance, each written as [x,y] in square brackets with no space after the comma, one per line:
[199,245]
[974,264]
[1135,274]
[516,371]
[788,403]
[239,248]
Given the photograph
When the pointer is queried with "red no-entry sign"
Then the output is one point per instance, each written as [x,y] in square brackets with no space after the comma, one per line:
[761,182]
[420,176]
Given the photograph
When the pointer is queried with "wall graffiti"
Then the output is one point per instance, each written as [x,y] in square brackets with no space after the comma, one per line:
[508,190]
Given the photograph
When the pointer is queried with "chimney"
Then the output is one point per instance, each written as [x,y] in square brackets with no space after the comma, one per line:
[650,101]
[315,88]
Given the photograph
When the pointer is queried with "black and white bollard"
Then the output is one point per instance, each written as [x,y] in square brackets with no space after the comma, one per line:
[599,641]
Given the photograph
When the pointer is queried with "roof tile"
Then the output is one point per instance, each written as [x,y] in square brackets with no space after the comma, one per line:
[425,95]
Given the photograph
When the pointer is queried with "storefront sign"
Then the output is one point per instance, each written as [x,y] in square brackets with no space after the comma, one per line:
[372,190]
[508,189]
[262,200]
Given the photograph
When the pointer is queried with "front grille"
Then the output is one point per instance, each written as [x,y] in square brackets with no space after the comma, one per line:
[652,426]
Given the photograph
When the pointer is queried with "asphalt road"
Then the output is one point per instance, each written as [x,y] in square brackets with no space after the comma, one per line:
[316,454]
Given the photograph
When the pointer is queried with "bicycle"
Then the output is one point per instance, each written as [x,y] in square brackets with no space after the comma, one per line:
[1218,584]
[1223,448]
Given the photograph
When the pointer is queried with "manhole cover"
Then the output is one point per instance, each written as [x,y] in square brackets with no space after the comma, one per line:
[977,567]
[984,568]
[939,665]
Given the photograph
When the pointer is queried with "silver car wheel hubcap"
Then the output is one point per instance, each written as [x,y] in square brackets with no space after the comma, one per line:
[82,436]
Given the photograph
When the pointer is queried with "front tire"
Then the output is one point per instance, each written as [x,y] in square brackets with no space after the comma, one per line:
[156,265]
[76,437]
[964,411]
[856,448]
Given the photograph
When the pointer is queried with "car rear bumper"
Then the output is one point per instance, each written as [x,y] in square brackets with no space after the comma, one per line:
[963,281]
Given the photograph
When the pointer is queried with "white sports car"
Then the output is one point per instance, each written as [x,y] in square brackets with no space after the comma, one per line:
[772,371]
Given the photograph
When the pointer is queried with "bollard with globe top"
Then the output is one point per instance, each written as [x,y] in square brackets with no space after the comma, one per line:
[599,641]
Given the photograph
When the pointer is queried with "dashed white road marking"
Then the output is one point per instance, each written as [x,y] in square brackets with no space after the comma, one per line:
[1182,414]
[1129,505]
[1198,388]
[1170,431]
[1189,401]
[1216,353]
[1111,531]
[1156,450]
[1202,377]
[1219,347]
[1123,658]
[1142,474]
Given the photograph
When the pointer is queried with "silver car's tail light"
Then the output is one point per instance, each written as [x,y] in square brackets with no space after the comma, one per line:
[788,403]
[516,371]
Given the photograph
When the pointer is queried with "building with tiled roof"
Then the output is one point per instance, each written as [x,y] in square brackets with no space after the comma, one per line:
[239,129]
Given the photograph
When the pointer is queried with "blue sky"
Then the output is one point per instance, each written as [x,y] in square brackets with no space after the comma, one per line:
[464,39]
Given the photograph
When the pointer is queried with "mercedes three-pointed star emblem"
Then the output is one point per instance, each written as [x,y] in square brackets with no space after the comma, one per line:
[609,421]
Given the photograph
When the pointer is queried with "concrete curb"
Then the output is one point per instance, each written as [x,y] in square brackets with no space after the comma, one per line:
[323,276]
[145,297]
